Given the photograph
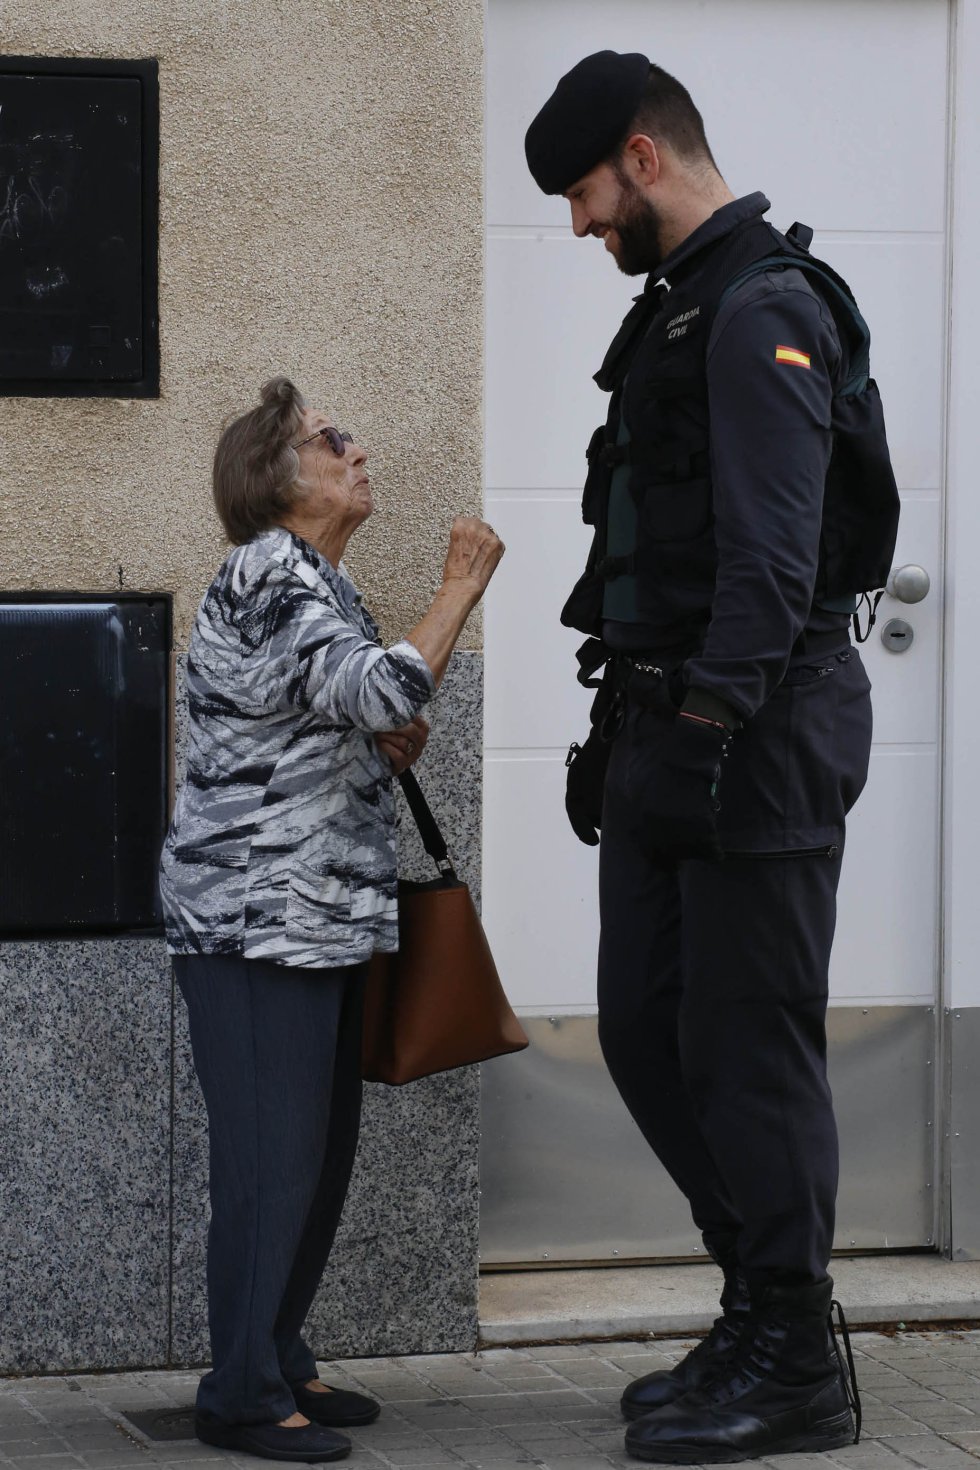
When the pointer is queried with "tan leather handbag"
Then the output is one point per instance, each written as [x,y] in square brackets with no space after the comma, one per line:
[438,1003]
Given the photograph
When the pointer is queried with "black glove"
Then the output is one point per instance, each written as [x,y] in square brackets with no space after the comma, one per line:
[677,791]
[584,787]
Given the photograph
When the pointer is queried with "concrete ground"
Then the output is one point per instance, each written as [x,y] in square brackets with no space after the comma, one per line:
[551,1407]
[560,1306]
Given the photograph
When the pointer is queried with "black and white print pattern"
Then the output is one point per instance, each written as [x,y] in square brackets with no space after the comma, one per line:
[282,844]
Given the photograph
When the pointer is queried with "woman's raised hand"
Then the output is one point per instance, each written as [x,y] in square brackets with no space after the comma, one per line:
[475,550]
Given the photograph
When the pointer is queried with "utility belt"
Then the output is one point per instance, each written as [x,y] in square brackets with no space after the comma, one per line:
[638,678]
[641,675]
[594,655]
[808,646]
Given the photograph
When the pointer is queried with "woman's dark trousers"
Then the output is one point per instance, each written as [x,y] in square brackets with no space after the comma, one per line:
[277,1051]
[713,978]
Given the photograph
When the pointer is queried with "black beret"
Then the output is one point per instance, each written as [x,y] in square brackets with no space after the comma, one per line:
[585,117]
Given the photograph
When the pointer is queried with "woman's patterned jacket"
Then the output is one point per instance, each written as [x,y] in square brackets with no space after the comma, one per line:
[282,844]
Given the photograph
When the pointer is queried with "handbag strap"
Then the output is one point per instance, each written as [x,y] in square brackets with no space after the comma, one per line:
[432,839]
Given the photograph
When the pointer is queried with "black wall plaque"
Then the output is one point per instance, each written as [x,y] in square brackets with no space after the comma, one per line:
[79,157]
[84,721]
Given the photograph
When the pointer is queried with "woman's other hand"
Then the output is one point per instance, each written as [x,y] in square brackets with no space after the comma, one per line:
[475,550]
[404,746]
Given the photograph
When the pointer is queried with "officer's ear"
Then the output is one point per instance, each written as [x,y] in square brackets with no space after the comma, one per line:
[641,159]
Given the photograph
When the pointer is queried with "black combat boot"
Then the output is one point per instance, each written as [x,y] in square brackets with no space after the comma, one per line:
[782,1391]
[655,1390]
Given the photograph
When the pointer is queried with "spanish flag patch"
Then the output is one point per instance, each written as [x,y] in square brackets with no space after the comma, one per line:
[793,355]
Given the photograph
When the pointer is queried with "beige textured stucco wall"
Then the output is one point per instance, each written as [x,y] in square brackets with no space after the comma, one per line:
[321,214]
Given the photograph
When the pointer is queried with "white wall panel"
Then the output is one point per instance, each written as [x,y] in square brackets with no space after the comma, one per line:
[899,285]
[554,304]
[888,903]
[530,657]
[836,110]
[540,905]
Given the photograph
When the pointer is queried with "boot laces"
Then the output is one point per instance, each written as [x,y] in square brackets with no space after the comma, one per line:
[721,1328]
[850,1376]
[750,1360]
[753,1357]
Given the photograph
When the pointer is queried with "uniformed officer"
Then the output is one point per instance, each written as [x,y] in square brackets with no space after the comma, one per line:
[742,724]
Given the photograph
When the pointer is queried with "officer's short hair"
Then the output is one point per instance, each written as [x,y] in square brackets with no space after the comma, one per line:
[666,113]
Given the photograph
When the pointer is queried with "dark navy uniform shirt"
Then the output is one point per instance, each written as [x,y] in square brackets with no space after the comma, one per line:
[772,357]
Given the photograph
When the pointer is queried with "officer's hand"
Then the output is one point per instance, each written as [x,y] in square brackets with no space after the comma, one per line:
[677,794]
[584,788]
[582,824]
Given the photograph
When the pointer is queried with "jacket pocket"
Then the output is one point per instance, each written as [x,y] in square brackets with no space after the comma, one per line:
[797,767]
[316,902]
[374,901]
[826,850]
[597,479]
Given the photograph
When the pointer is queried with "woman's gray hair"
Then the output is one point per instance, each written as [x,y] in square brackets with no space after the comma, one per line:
[256,469]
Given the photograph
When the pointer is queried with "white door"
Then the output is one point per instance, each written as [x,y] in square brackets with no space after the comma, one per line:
[837,110]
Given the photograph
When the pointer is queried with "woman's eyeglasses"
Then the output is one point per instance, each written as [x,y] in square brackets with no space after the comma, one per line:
[334,438]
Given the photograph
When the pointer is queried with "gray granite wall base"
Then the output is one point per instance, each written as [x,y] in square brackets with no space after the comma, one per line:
[84,1154]
[103,1149]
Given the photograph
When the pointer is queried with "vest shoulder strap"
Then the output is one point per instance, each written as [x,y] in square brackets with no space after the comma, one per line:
[620,353]
[851,327]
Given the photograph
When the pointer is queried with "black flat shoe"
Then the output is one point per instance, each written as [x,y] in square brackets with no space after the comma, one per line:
[341,1407]
[308,1444]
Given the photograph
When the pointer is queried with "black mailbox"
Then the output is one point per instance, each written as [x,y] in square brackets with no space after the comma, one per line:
[78,227]
[84,728]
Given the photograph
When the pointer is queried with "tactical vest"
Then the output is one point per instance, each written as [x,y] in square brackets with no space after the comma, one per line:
[656,372]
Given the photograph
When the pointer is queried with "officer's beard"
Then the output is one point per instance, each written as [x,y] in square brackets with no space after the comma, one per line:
[640,230]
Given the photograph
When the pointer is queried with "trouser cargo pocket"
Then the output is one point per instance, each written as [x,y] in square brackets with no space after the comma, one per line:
[797,767]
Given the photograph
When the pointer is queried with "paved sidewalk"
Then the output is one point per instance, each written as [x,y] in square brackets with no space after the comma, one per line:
[551,1407]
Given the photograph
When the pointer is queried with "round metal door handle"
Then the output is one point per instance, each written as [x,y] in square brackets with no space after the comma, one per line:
[909,583]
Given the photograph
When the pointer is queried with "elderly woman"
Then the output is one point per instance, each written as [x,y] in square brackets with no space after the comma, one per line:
[278,884]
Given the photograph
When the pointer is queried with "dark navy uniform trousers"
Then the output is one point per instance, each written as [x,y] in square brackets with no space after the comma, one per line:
[277,1050]
[713,977]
